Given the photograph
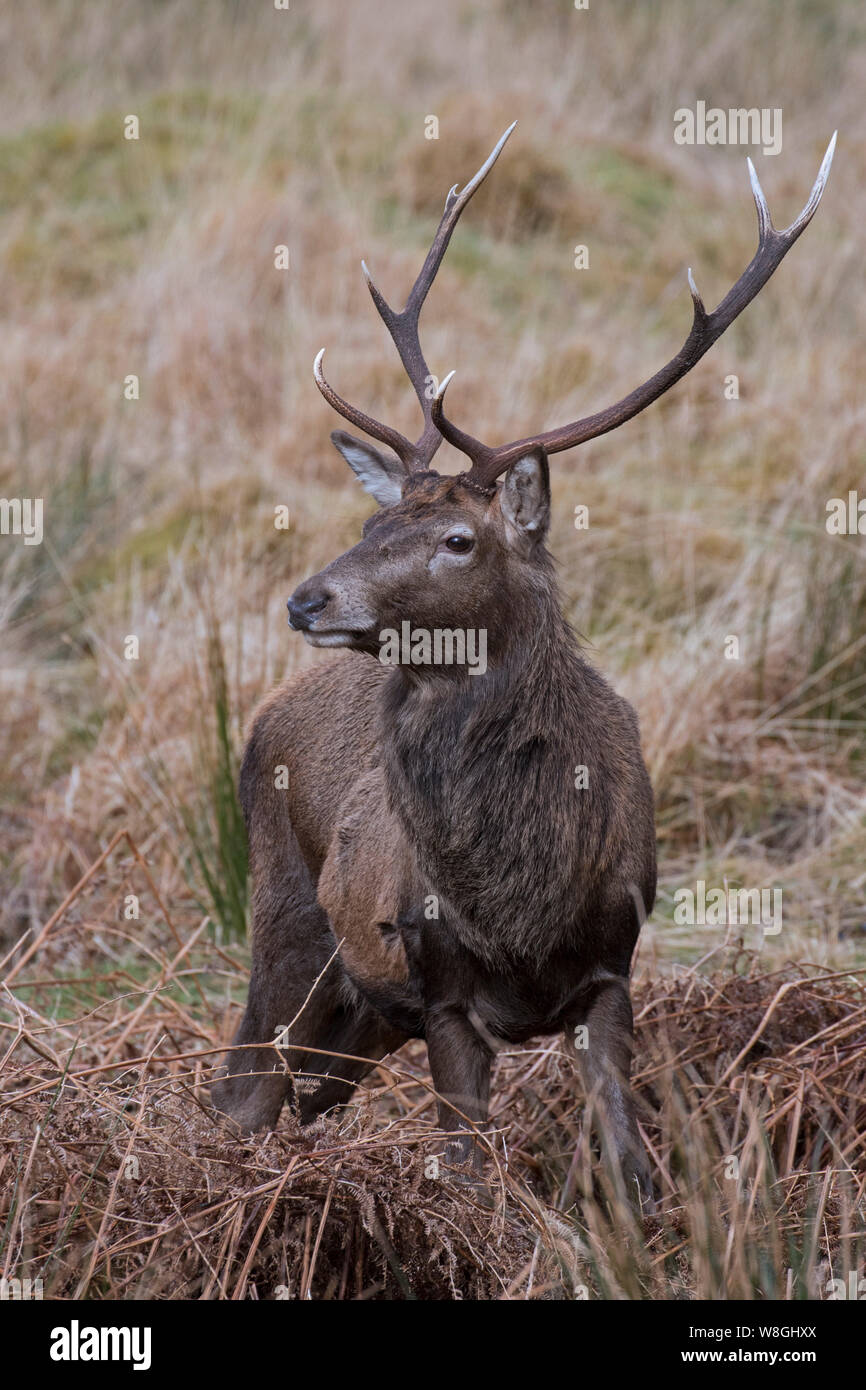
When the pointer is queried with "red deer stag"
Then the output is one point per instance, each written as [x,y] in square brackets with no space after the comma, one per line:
[434,868]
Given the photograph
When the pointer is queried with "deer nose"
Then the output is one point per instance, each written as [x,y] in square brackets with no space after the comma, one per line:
[304,605]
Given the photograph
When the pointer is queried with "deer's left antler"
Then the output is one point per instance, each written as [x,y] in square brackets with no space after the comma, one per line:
[488,463]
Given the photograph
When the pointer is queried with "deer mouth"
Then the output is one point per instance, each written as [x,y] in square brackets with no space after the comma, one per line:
[333,637]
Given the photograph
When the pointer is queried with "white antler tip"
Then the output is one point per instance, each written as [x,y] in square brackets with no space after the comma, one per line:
[828,158]
[765,221]
[479,178]
[695,293]
[317,365]
[817,190]
[365,269]
[440,392]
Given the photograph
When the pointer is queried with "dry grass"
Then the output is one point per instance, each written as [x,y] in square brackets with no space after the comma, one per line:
[119,1182]
[707,519]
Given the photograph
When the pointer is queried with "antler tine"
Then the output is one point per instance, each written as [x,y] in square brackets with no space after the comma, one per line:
[773,245]
[482,456]
[403,328]
[454,205]
[403,447]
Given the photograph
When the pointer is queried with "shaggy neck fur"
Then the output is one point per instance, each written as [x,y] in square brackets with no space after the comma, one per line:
[481,772]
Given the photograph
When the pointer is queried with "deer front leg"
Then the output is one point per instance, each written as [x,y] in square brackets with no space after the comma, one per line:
[605,1063]
[460,1063]
[460,1058]
[291,946]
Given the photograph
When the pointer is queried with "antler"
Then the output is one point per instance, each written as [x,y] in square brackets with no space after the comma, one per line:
[403,328]
[488,463]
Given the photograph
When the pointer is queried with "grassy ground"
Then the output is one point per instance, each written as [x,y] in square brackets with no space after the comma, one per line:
[155,258]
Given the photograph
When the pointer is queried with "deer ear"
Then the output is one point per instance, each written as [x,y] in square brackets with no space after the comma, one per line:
[382,475]
[524,500]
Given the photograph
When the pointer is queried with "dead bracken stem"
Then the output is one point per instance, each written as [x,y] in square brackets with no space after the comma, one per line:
[118,1180]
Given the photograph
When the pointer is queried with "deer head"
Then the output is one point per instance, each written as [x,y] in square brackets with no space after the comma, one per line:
[446,551]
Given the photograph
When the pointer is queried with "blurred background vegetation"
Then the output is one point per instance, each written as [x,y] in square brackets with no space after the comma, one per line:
[306,127]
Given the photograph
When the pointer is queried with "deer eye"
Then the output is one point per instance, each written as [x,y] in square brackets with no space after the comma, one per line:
[459,544]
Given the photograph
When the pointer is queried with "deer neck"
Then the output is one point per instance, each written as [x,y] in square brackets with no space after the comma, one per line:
[470,764]
[531,653]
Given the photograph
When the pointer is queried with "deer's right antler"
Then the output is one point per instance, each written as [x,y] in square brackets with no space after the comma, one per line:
[403,328]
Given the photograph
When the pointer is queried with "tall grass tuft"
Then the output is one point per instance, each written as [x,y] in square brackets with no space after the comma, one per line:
[214,824]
